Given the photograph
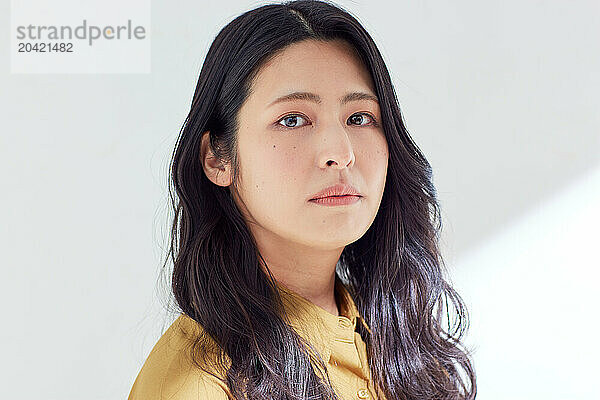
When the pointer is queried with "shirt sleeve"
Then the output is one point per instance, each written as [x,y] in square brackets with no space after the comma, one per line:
[193,387]
[198,387]
[169,374]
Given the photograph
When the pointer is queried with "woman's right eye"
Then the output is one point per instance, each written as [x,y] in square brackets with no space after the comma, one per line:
[290,121]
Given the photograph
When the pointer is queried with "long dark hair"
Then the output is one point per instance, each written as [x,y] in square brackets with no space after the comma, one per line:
[395,272]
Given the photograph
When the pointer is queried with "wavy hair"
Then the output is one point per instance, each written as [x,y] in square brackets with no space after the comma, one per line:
[395,272]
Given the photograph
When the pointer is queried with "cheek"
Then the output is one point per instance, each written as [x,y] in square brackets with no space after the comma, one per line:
[275,173]
[382,155]
[276,186]
[286,163]
[374,153]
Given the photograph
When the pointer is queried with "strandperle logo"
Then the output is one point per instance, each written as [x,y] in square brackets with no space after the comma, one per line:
[84,31]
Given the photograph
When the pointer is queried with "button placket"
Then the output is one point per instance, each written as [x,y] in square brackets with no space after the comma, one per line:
[346,329]
[344,322]
[344,353]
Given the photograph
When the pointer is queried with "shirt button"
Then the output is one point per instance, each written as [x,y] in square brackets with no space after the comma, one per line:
[363,394]
[344,322]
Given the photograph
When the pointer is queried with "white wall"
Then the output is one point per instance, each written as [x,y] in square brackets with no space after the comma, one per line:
[501,96]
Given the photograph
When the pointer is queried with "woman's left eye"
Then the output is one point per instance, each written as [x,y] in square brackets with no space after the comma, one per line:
[360,117]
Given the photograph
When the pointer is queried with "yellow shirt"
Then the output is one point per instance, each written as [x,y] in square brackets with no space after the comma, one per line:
[168,373]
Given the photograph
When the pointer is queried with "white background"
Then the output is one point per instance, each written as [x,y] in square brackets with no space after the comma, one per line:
[502,97]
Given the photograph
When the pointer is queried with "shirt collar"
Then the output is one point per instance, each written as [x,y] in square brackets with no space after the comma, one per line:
[316,324]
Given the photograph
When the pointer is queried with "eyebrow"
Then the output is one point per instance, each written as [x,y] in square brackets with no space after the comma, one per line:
[315,98]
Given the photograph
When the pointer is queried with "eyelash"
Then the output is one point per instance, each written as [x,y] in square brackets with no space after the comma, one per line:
[278,125]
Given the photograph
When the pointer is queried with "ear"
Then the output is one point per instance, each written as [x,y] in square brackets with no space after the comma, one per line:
[215,170]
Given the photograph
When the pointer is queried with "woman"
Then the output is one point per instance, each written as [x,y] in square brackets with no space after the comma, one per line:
[305,239]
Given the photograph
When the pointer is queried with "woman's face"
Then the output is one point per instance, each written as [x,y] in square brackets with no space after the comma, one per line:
[291,149]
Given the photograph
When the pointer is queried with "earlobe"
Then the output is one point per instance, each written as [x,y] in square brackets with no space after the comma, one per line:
[215,170]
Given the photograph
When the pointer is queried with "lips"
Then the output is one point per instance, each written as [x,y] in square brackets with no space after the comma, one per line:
[337,190]
[337,200]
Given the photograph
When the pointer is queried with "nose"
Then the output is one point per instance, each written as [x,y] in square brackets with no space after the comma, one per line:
[336,147]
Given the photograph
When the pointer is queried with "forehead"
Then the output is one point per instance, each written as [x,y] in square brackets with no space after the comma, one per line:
[322,67]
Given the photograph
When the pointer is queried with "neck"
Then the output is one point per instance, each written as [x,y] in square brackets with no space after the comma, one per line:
[321,295]
[307,271]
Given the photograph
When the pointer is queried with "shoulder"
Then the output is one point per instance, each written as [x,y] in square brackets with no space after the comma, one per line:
[169,373]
